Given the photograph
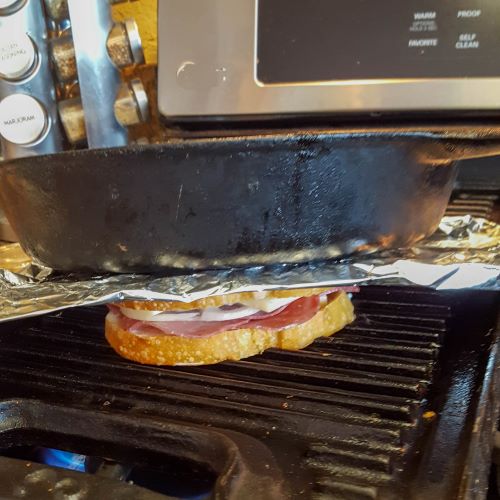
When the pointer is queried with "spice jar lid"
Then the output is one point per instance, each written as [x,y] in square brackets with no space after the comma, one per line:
[141,98]
[134,40]
[17,55]
[23,119]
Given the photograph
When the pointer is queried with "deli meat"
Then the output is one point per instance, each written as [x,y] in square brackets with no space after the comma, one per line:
[295,313]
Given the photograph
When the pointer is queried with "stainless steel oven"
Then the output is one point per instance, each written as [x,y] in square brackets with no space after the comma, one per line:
[231,58]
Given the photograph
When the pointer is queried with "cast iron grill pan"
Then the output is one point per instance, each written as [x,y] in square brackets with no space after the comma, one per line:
[346,418]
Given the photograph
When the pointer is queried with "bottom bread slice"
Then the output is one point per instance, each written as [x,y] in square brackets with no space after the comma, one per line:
[229,345]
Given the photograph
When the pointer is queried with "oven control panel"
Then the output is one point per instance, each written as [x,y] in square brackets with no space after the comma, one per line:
[235,58]
[325,40]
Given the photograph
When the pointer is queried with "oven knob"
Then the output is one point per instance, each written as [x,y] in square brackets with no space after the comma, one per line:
[17,56]
[23,119]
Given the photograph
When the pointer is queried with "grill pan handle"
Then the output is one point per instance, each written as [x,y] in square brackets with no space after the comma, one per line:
[467,149]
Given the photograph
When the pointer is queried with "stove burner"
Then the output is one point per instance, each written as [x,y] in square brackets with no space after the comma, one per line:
[155,479]
[62,459]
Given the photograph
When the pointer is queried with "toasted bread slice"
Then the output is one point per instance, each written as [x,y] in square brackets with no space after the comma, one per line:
[229,345]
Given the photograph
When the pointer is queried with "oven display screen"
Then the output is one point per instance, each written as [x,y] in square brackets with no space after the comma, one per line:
[301,41]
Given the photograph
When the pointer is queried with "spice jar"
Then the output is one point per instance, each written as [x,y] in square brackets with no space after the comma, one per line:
[131,104]
[57,9]
[124,44]
[63,57]
[73,120]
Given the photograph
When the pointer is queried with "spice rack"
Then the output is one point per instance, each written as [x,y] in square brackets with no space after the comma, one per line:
[97,105]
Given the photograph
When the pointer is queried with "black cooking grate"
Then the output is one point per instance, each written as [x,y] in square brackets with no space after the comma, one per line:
[367,413]
[476,204]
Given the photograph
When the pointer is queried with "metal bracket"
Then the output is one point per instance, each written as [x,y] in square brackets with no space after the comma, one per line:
[99,79]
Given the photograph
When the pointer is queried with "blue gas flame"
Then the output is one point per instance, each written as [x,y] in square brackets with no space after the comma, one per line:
[62,459]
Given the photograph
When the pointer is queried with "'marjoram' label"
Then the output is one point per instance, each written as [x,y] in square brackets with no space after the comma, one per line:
[21,119]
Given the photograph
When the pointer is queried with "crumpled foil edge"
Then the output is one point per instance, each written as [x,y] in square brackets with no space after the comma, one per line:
[464,253]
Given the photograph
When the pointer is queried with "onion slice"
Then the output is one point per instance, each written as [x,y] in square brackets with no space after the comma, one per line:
[159,316]
[269,305]
[208,314]
[219,314]
[224,313]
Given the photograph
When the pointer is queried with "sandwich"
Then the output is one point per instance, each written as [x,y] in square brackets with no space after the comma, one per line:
[225,327]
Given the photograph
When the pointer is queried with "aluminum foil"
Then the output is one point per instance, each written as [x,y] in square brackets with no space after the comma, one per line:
[463,253]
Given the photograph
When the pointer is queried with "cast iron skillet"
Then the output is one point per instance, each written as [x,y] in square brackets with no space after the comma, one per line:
[198,203]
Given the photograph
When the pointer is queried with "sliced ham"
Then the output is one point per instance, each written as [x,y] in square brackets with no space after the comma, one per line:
[296,313]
